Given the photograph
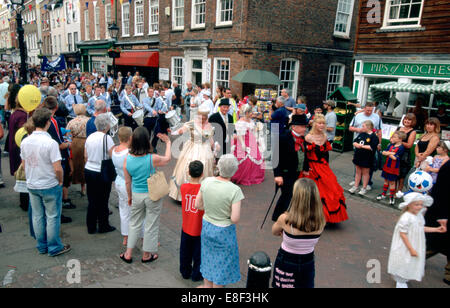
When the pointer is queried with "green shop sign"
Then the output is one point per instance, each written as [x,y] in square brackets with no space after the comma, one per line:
[407,69]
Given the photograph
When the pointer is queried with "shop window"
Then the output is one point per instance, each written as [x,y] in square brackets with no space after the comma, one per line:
[289,76]
[139,18]
[224,14]
[154,17]
[403,13]
[178,14]
[198,13]
[126,19]
[335,77]
[222,73]
[343,21]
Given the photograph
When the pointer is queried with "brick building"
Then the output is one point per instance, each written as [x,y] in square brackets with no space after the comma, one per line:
[405,44]
[309,44]
[138,21]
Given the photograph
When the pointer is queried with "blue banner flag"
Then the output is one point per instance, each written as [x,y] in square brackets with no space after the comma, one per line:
[57,65]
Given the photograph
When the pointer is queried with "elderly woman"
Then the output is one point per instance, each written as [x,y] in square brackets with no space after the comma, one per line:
[98,190]
[221,201]
[77,129]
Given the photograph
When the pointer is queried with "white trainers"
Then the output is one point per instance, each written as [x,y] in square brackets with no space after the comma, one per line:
[353,189]
[399,194]
[368,188]
[391,201]
[352,183]
[363,191]
[381,197]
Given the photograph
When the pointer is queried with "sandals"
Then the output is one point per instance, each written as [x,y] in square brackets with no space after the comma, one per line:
[122,256]
[152,258]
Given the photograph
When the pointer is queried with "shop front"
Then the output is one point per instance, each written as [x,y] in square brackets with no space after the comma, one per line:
[405,86]
[73,59]
[94,55]
[145,62]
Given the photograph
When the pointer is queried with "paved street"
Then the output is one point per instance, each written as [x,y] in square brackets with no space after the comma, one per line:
[341,255]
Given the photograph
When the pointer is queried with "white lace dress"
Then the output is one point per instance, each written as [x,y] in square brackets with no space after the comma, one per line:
[401,263]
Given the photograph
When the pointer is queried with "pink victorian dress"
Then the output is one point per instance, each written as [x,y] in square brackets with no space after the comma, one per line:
[247,151]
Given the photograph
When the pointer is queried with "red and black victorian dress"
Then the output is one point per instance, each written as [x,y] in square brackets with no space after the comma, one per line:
[331,193]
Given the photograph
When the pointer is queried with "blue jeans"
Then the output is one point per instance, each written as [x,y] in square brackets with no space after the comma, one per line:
[46,212]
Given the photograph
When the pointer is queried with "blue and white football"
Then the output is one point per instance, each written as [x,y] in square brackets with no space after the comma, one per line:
[420,181]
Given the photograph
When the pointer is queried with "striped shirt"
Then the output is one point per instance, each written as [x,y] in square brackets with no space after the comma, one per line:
[299,244]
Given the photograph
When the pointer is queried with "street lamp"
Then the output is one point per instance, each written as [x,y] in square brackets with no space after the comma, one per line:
[114,33]
[18,6]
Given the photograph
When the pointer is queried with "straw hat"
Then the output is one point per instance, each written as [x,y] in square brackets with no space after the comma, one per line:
[203,109]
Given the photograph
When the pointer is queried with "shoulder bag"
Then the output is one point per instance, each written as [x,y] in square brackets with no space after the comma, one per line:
[157,186]
[108,171]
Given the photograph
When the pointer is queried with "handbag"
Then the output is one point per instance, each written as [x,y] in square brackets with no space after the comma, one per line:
[107,170]
[157,186]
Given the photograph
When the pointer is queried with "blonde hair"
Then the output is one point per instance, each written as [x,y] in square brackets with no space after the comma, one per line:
[79,109]
[368,124]
[401,135]
[244,109]
[305,211]
[317,118]
[125,133]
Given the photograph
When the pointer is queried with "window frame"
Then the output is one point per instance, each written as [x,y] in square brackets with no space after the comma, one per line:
[345,34]
[194,24]
[87,27]
[219,10]
[123,20]
[97,22]
[341,77]
[174,18]
[139,4]
[387,20]
[69,41]
[174,76]
[107,20]
[216,80]
[150,17]
[293,81]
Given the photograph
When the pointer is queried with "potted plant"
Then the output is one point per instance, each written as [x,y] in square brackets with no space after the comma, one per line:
[114,52]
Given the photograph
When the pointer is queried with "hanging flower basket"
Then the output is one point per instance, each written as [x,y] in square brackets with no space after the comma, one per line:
[114,52]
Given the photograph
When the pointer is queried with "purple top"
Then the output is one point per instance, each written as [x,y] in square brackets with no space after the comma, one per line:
[16,121]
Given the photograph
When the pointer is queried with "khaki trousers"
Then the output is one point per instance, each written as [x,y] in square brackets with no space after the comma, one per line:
[144,209]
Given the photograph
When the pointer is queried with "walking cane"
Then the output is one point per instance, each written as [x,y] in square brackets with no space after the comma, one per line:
[271,203]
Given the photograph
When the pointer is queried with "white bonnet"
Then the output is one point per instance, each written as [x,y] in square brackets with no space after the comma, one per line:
[415,196]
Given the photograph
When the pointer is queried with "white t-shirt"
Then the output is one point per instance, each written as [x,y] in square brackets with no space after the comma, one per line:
[360,118]
[94,150]
[40,152]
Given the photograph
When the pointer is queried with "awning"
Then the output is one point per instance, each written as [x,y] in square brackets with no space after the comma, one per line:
[375,89]
[139,58]
[257,77]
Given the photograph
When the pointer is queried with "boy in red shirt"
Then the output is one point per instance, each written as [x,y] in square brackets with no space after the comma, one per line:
[192,225]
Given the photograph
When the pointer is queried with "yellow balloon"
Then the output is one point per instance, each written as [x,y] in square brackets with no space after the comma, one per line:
[21,132]
[29,97]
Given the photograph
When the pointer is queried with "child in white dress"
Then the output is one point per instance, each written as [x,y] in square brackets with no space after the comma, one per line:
[407,254]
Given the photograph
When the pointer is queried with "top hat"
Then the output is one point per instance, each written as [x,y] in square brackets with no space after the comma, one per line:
[224,102]
[299,119]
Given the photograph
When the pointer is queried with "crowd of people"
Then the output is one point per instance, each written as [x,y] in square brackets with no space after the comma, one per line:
[67,141]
